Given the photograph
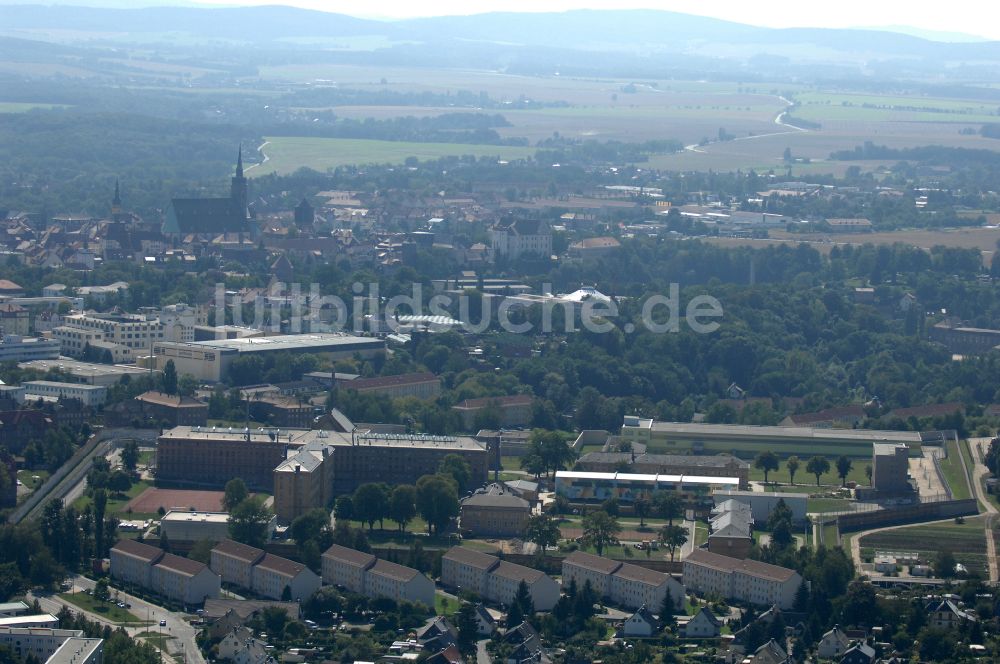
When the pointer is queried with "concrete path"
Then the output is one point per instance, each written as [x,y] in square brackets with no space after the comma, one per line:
[978,447]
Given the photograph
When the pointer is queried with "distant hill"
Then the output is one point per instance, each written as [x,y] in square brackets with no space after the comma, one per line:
[632,32]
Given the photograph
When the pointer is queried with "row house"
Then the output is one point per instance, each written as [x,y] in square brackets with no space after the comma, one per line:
[496,580]
[180,579]
[626,585]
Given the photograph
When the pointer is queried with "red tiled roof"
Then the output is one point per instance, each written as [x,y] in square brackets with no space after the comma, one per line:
[349,556]
[138,550]
[239,551]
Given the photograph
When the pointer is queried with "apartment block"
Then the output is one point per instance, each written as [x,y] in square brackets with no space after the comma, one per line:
[263,573]
[623,584]
[180,579]
[495,580]
[52,646]
[744,580]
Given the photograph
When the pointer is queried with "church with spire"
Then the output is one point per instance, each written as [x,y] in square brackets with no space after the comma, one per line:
[212,217]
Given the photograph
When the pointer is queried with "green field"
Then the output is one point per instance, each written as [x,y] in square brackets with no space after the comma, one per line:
[967,541]
[825,106]
[953,469]
[27,478]
[108,610]
[287,154]
[116,503]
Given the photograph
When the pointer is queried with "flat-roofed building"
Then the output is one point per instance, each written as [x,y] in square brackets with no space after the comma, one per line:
[495,512]
[763,503]
[719,465]
[186,526]
[87,372]
[423,385]
[495,580]
[272,575]
[11,609]
[741,579]
[346,567]
[52,646]
[15,348]
[890,467]
[35,620]
[91,396]
[210,360]
[592,488]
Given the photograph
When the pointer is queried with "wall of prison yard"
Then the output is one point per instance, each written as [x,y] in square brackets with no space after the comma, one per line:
[899,516]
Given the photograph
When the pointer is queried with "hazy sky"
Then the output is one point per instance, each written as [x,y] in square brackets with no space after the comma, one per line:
[974,17]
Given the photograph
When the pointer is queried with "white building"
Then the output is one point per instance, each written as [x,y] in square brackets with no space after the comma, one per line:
[741,579]
[833,644]
[14,348]
[496,580]
[512,238]
[180,525]
[90,395]
[52,646]
[623,584]
[263,573]
[180,579]
[365,574]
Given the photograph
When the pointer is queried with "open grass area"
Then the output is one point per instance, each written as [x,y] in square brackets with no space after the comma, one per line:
[805,482]
[27,478]
[445,606]
[819,505]
[107,611]
[116,502]
[287,154]
[830,534]
[23,107]
[954,470]
[966,541]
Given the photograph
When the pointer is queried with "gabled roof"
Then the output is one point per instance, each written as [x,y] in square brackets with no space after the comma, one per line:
[591,562]
[247,554]
[517,573]
[642,575]
[644,614]
[750,567]
[477,559]
[348,556]
[393,570]
[281,566]
[184,566]
[138,550]
[204,215]
[707,614]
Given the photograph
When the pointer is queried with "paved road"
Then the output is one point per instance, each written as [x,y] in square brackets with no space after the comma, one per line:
[482,657]
[183,641]
[978,447]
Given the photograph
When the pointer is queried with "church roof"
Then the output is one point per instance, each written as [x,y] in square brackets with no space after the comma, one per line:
[204,215]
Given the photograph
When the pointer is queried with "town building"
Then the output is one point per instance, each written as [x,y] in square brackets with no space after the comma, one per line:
[15,348]
[496,580]
[365,574]
[173,409]
[14,319]
[209,361]
[623,584]
[513,411]
[513,238]
[890,468]
[180,579]
[282,411]
[423,385]
[212,217]
[263,573]
[740,579]
[763,503]
[592,488]
[52,646]
[91,396]
[703,625]
[594,247]
[187,526]
[731,529]
[963,340]
[88,372]
[495,512]
[833,644]
[720,465]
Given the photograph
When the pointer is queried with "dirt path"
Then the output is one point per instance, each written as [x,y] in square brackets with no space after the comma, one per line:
[978,448]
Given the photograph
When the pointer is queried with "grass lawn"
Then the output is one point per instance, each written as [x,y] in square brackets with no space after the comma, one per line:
[116,503]
[287,154]
[806,482]
[445,606]
[831,534]
[953,469]
[827,505]
[510,462]
[27,478]
[700,533]
[108,611]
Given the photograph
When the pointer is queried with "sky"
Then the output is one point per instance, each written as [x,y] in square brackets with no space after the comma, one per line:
[972,17]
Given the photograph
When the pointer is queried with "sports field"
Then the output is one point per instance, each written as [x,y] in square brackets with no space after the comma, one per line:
[153,499]
[287,154]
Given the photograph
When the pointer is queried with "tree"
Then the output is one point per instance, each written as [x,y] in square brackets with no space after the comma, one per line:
[553,449]
[542,531]
[868,473]
[522,598]
[119,482]
[187,385]
[101,591]
[468,628]
[343,508]
[611,506]
[642,506]
[792,464]
[861,605]
[312,527]
[248,522]
[667,609]
[766,461]
[667,505]
[673,537]
[235,493]
[370,504]
[169,378]
[944,564]
[458,468]
[818,465]
[844,466]
[403,505]
[600,530]
[275,618]
[130,455]
[437,501]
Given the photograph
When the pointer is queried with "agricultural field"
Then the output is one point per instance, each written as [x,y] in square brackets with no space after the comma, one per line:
[24,107]
[287,154]
[824,106]
[967,541]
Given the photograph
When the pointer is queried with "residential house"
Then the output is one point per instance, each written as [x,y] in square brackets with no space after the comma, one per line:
[623,584]
[280,578]
[346,567]
[833,644]
[485,624]
[860,653]
[496,580]
[241,646]
[179,579]
[704,625]
[234,561]
[945,614]
[771,653]
[363,573]
[642,624]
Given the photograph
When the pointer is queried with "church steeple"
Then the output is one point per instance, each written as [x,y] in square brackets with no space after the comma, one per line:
[116,202]
[238,192]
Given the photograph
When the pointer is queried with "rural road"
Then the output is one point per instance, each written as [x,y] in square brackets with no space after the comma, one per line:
[978,447]
[263,154]
[778,120]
